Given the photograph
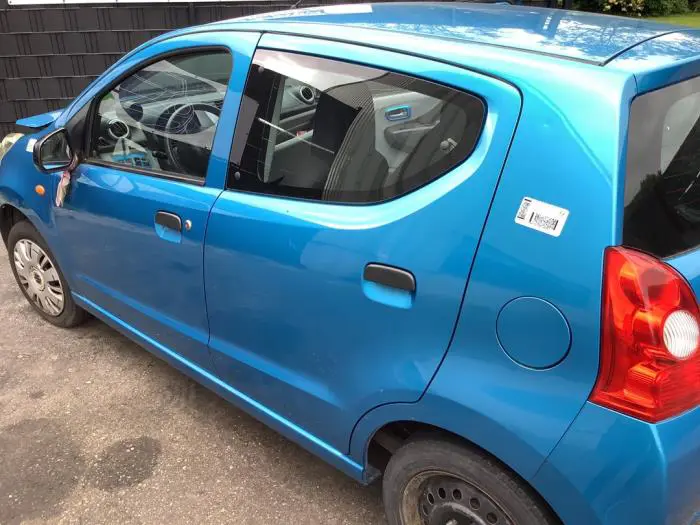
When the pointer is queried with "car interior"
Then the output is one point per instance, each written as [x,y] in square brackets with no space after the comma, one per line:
[164,117]
[355,139]
[331,137]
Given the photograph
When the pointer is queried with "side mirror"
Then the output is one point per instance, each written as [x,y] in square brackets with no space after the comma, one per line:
[53,152]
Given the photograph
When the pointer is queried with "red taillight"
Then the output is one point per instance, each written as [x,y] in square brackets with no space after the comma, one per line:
[650,361]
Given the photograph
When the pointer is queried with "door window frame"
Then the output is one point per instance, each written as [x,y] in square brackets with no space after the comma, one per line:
[94,104]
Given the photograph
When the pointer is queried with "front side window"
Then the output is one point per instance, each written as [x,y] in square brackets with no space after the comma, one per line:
[325,130]
[163,117]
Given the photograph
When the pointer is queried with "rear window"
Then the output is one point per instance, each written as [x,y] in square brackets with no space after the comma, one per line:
[662,186]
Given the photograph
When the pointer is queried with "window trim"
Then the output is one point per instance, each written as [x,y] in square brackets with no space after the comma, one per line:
[95,102]
[167,175]
[230,166]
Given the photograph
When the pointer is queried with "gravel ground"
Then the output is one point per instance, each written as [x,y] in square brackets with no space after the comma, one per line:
[93,429]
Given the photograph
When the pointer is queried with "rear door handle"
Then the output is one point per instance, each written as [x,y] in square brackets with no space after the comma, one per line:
[390,276]
[398,113]
[168,226]
[169,220]
[389,285]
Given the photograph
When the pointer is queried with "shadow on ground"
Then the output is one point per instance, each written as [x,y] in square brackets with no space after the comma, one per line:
[93,429]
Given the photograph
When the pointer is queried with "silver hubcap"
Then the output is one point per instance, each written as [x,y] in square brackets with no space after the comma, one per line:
[38,276]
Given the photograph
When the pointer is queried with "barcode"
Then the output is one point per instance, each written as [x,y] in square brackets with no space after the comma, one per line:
[544,222]
[541,216]
[524,206]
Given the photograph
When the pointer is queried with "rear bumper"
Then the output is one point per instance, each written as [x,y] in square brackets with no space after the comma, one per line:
[610,469]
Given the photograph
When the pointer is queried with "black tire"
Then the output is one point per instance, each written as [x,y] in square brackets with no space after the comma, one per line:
[71,315]
[463,483]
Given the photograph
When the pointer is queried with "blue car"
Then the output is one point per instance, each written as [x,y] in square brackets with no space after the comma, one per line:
[449,245]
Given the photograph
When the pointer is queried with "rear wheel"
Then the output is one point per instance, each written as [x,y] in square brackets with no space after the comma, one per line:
[40,278]
[432,481]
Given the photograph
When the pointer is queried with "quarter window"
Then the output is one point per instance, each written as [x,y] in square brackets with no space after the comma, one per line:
[163,118]
[326,130]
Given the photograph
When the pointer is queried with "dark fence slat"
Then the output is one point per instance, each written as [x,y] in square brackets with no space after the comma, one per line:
[48,54]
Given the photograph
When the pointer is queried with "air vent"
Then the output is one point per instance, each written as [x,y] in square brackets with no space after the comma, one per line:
[307,94]
[117,129]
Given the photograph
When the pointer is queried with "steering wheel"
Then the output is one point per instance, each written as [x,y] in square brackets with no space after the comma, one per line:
[191,119]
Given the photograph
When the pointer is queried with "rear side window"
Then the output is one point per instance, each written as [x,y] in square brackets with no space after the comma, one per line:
[325,130]
[662,186]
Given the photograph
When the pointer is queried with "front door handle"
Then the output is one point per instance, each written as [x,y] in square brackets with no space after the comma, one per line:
[169,220]
[169,226]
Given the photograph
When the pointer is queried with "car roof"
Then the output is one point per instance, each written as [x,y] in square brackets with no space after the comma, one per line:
[574,35]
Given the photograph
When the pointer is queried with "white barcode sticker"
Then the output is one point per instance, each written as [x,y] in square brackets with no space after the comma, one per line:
[540,216]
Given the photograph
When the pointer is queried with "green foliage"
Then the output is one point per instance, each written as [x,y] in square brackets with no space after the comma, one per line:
[665,7]
[626,7]
[639,7]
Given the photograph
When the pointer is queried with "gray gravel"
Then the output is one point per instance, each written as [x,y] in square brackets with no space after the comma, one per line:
[93,429]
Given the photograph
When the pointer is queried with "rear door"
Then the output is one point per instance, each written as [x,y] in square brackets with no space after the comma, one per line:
[337,258]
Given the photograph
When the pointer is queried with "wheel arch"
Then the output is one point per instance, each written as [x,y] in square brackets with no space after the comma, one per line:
[12,211]
[9,216]
[378,433]
[447,416]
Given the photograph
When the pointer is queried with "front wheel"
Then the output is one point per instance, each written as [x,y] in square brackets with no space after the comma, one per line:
[432,481]
[40,278]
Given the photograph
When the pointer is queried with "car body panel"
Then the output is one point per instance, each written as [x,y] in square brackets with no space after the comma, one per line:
[17,186]
[228,392]
[663,60]
[633,472]
[117,256]
[477,374]
[471,420]
[519,68]
[334,355]
[284,291]
[119,261]
[39,121]
[687,264]
[570,34]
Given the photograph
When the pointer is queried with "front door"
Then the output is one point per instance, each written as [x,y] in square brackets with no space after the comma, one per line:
[134,221]
[337,258]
